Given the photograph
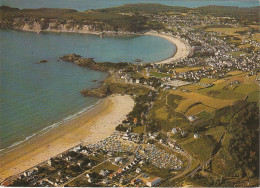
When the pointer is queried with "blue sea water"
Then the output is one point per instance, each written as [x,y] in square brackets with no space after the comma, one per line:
[97,4]
[35,97]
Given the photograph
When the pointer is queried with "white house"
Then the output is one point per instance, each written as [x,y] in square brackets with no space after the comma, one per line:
[77,148]
[102,172]
[118,159]
[27,173]
[196,135]
[174,130]
[68,158]
[183,133]
[125,136]
[192,118]
[138,170]
[50,162]
[90,180]
[87,175]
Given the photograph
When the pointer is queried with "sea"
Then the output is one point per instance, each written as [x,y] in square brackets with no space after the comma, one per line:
[37,97]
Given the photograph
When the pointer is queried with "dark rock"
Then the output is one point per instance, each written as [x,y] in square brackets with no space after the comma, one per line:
[43,61]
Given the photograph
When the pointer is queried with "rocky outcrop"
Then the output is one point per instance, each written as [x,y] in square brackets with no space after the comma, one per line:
[91,64]
[85,62]
[99,92]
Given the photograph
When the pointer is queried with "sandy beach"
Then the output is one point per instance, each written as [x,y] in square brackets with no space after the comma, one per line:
[183,49]
[90,127]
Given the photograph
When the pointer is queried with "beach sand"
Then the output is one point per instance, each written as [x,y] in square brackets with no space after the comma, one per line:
[89,128]
[183,49]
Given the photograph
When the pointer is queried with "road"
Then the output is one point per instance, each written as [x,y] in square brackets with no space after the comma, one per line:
[87,171]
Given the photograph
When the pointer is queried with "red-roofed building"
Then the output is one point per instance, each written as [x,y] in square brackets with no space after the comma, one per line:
[119,171]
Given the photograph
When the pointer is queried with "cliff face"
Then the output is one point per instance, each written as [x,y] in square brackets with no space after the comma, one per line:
[68,20]
[32,24]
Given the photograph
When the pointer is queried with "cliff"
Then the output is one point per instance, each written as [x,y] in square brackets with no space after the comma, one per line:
[32,24]
[67,20]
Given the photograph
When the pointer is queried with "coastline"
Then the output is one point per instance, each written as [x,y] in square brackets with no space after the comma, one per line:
[88,128]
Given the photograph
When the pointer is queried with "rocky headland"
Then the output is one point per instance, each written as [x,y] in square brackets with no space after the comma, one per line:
[109,86]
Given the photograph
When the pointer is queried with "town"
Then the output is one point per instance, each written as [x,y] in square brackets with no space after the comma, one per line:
[119,160]
[188,114]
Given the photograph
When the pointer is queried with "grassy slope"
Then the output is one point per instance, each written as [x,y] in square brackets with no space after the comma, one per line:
[199,148]
[165,116]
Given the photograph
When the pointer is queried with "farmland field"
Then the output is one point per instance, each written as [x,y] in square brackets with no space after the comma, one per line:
[199,108]
[186,69]
[228,31]
[204,99]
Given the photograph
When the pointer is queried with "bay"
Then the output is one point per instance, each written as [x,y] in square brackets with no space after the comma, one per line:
[36,97]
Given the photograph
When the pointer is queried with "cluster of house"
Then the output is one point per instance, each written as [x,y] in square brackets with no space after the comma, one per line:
[57,169]
[160,158]
[131,136]
[132,79]
[112,145]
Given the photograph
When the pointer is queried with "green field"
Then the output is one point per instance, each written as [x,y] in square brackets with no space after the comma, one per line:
[157,74]
[228,31]
[165,115]
[139,129]
[253,96]
[198,96]
[222,163]
[223,90]
[200,148]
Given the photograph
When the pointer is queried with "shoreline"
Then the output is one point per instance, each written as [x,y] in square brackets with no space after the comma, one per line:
[45,130]
[92,126]
[183,49]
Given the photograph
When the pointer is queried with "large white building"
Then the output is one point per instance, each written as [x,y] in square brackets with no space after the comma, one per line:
[153,181]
